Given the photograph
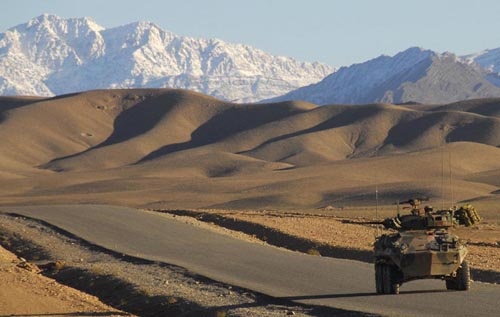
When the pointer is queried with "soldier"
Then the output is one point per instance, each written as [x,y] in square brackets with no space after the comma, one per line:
[415,207]
[428,209]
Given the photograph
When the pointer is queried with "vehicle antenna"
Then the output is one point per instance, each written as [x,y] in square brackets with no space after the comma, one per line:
[451,182]
[442,178]
[376,208]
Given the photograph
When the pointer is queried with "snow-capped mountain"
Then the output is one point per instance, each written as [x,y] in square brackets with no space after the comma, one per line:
[50,55]
[414,75]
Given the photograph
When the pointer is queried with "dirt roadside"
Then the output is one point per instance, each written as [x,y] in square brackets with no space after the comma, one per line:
[26,292]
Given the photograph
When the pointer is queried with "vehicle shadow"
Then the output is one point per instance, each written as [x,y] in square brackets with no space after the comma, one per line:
[352,295]
[319,310]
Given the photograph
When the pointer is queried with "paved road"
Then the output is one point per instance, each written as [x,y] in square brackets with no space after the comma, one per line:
[307,279]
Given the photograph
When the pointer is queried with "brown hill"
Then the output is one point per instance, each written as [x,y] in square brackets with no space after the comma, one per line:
[182,149]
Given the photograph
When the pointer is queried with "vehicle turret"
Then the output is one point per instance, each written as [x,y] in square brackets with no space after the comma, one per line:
[429,219]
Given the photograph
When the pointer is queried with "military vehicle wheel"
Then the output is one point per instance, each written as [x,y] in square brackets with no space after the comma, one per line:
[461,281]
[463,277]
[379,279]
[388,280]
[451,285]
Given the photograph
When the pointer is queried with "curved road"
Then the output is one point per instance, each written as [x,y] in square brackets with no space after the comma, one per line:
[279,273]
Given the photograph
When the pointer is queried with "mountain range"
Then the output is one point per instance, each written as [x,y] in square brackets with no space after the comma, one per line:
[415,75]
[50,55]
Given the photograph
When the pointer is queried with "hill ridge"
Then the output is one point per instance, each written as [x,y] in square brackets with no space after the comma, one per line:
[175,147]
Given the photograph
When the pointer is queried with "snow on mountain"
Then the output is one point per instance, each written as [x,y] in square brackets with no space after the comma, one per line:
[414,75]
[50,55]
[488,59]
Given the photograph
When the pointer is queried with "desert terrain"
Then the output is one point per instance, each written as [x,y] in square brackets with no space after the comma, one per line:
[295,168]
[32,294]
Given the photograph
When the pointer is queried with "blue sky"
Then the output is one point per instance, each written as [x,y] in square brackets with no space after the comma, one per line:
[338,33]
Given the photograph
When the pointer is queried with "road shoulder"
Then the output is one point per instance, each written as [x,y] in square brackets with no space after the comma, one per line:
[24,291]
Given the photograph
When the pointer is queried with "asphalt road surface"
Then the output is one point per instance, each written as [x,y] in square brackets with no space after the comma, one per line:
[280,273]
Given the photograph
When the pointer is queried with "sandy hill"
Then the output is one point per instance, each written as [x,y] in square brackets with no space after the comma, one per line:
[165,147]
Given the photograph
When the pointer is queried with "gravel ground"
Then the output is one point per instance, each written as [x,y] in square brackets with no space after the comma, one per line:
[24,292]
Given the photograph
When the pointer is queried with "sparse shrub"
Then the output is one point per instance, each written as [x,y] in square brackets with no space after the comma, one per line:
[220,313]
[51,266]
[144,292]
[95,270]
[122,302]
[172,300]
[59,265]
[313,252]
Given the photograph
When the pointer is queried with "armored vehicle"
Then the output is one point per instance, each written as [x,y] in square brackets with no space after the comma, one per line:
[423,248]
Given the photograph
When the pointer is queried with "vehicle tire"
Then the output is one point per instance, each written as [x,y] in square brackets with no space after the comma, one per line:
[461,282]
[451,284]
[463,277]
[389,277]
[379,278]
